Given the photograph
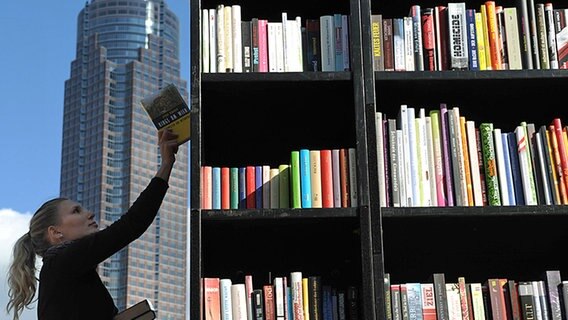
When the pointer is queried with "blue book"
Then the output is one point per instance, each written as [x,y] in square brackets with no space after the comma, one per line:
[290,309]
[258,186]
[414,295]
[326,307]
[216,183]
[515,169]
[305,179]
[471,39]
[337,25]
[242,188]
[508,169]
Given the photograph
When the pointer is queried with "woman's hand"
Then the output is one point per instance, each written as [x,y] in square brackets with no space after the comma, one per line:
[167,141]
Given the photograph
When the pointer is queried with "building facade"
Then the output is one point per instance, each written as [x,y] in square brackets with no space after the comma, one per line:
[127,50]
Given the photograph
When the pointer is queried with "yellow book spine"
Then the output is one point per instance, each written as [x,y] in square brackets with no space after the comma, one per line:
[488,65]
[480,41]
[467,164]
[305,298]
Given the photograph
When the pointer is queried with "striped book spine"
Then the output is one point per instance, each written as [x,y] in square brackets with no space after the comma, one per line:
[489,165]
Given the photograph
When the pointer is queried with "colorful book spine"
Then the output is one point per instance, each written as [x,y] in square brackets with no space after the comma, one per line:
[336,174]
[353,185]
[344,175]
[553,175]
[446,154]
[250,187]
[466,162]
[315,178]
[216,181]
[295,180]
[242,187]
[508,169]
[501,172]
[474,163]
[394,163]
[234,185]
[207,187]
[326,178]
[438,159]
[226,301]
[557,124]
[489,164]
[543,169]
[258,188]
[274,188]
[225,188]
[558,162]
[479,31]
[515,169]
[526,167]
[266,186]
[305,179]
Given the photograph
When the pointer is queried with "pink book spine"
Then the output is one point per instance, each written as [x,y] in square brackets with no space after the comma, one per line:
[446,154]
[207,187]
[262,45]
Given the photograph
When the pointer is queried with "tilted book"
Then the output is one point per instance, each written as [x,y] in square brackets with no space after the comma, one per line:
[168,110]
[141,309]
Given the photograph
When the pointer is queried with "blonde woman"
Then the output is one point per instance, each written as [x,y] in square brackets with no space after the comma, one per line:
[68,239]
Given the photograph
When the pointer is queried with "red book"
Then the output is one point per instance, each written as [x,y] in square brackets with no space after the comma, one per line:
[269,303]
[212,299]
[262,45]
[225,188]
[429,39]
[207,187]
[463,299]
[497,299]
[326,179]
[388,44]
[557,123]
[441,35]
[344,176]
[251,187]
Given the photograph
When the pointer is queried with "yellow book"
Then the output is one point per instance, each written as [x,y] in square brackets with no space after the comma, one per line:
[487,47]
[168,110]
[479,30]
[555,180]
[315,178]
[305,298]
[466,162]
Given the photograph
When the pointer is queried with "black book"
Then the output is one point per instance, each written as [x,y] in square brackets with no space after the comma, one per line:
[257,305]
[552,281]
[246,39]
[526,299]
[353,303]
[439,281]
[141,310]
[255,57]
[315,298]
[313,45]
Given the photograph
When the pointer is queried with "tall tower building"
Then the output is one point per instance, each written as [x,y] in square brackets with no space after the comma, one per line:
[125,51]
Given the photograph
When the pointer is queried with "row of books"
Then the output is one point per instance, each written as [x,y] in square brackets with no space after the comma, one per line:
[312,179]
[527,35]
[230,44]
[496,299]
[298,297]
[444,159]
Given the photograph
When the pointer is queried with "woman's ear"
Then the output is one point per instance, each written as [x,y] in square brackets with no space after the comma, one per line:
[54,236]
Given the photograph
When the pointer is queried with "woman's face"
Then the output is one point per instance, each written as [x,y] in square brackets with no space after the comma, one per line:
[75,222]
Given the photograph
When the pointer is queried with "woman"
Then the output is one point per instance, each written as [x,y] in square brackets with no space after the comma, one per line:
[67,237]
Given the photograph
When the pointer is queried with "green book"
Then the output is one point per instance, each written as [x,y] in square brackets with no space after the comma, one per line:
[284,187]
[295,183]
[489,164]
[234,188]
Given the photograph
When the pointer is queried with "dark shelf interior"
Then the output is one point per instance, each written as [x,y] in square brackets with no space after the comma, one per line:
[247,123]
[272,10]
[268,248]
[476,247]
[504,102]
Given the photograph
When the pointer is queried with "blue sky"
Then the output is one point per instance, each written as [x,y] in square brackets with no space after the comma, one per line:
[38,45]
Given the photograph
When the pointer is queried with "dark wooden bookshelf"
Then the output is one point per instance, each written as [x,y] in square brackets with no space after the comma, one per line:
[542,211]
[276,77]
[278,214]
[470,75]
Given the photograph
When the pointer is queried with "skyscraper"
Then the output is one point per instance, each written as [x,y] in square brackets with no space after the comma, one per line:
[125,51]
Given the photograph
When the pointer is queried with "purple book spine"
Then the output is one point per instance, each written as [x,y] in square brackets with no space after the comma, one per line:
[258,186]
[446,154]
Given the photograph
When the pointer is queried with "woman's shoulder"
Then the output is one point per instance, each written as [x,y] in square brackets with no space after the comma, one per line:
[55,250]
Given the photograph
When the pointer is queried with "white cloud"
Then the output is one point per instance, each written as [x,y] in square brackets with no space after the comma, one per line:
[12,226]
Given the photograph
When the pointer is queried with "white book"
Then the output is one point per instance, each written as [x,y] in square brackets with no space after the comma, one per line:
[525,166]
[454,302]
[381,159]
[551,36]
[266,186]
[271,34]
[399,47]
[405,155]
[438,162]
[408,44]
[425,198]
[542,167]
[501,173]
[299,60]
[474,164]
[212,40]
[228,17]
[279,295]
[237,38]
[457,31]
[537,305]
[477,301]
[431,162]
[205,41]
[248,290]
[394,163]
[513,38]
[414,177]
[297,295]
[345,42]
[220,32]
[461,157]
[274,188]
[291,46]
[336,178]
[353,193]
[239,301]
[327,43]
[279,48]
[401,168]
[226,299]
[284,40]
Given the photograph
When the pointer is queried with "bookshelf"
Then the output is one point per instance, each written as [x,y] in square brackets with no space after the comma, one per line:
[258,118]
[412,243]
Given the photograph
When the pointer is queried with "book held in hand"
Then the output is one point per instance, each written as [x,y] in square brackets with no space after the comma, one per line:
[167,109]
[143,310]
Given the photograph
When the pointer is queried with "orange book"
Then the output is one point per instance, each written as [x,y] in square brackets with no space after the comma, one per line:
[326,179]
[212,299]
[555,183]
[206,187]
[558,162]
[467,164]
[557,123]
[493,28]
[344,177]
[225,188]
